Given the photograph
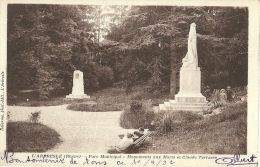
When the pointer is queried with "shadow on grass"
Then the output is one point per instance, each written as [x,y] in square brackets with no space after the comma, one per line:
[30,137]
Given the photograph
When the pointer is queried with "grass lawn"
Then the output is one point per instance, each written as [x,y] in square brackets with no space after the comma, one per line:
[95,107]
[225,133]
[109,99]
[30,137]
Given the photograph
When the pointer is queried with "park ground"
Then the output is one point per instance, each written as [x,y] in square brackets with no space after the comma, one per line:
[79,132]
[95,131]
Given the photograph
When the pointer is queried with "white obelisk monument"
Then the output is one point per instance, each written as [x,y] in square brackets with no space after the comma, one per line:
[189,97]
[78,86]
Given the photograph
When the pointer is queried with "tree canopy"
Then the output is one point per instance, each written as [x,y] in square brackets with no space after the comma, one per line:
[149,33]
[46,43]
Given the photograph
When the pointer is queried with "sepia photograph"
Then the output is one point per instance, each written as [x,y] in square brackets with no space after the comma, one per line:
[119,80]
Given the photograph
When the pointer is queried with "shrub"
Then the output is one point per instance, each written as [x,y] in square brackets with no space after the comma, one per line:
[136,106]
[213,104]
[231,113]
[35,116]
[30,137]
[138,114]
[169,121]
[164,122]
[137,96]
[188,116]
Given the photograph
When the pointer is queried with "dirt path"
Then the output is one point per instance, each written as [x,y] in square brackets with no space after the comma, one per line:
[81,132]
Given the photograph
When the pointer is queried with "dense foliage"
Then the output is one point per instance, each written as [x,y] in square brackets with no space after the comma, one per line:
[139,114]
[151,37]
[46,43]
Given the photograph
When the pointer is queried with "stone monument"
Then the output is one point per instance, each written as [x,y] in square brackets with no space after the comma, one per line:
[189,97]
[78,86]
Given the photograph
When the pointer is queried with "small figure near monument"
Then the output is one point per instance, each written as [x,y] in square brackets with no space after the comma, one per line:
[129,141]
[124,144]
[207,93]
[191,58]
[138,134]
[223,96]
[230,94]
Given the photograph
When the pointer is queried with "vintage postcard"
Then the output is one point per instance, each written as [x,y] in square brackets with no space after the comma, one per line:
[129,83]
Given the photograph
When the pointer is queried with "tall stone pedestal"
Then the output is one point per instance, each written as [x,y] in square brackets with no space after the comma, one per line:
[189,97]
[78,86]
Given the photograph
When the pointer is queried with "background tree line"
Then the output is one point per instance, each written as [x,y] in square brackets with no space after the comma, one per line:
[152,41]
[46,43]
[142,44]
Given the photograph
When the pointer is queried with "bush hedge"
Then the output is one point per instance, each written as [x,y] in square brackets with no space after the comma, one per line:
[137,114]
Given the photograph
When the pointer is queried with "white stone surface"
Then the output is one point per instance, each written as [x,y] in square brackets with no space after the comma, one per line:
[191,58]
[190,80]
[189,97]
[78,86]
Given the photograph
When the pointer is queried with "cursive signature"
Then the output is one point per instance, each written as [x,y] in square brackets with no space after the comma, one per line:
[9,158]
[236,160]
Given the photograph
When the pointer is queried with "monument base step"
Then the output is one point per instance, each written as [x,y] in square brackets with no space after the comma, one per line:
[162,107]
[173,102]
[172,105]
[73,96]
[190,98]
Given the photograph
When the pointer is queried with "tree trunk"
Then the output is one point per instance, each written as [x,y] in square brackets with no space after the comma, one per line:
[173,79]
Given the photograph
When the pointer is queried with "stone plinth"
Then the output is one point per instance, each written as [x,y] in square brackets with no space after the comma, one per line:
[172,105]
[78,86]
[190,87]
[189,97]
[190,79]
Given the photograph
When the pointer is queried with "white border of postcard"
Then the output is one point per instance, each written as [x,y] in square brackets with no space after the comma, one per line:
[253,86]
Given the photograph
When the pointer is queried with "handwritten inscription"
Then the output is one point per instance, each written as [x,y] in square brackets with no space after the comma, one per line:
[119,160]
[151,162]
[236,160]
[10,158]
[88,162]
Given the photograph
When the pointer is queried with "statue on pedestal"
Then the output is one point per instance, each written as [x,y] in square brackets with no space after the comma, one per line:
[189,97]
[191,58]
